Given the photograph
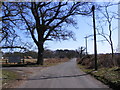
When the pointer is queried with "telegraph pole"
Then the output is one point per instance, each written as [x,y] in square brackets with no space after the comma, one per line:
[86,43]
[95,44]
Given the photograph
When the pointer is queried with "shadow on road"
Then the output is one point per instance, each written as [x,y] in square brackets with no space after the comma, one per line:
[53,77]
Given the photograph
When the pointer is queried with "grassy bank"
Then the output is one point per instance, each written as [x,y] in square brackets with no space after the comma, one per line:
[8,77]
[109,76]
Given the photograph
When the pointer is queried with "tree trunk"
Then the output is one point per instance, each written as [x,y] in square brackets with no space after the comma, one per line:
[112,51]
[113,60]
[40,55]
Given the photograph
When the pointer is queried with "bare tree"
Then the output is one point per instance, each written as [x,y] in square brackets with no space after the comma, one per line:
[45,20]
[106,19]
[9,21]
[80,51]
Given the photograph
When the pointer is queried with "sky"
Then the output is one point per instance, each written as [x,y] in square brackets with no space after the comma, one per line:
[84,29]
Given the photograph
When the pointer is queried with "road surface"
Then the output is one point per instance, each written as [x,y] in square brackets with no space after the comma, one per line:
[66,75]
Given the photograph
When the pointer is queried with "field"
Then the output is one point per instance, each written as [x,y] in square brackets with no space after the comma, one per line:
[32,62]
[5,61]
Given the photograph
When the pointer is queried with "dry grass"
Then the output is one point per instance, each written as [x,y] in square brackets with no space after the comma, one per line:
[32,62]
[5,61]
[53,61]
[56,60]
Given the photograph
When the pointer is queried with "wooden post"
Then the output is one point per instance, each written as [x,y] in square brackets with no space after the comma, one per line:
[95,44]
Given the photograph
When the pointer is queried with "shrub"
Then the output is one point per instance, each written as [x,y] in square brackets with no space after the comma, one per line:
[104,60]
[117,60]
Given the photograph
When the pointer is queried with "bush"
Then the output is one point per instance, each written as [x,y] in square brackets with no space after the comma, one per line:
[117,60]
[104,60]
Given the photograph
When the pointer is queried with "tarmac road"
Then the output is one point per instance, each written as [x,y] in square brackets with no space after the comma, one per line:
[66,75]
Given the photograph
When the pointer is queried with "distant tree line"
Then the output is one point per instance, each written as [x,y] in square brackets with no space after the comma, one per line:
[32,54]
[60,54]
[47,54]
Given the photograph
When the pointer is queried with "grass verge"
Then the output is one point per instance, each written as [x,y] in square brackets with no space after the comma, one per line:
[8,77]
[109,76]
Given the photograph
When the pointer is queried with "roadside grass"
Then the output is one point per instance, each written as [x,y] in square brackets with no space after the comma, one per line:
[9,76]
[109,76]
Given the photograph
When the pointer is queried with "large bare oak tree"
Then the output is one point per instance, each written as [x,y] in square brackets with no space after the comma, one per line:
[43,20]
